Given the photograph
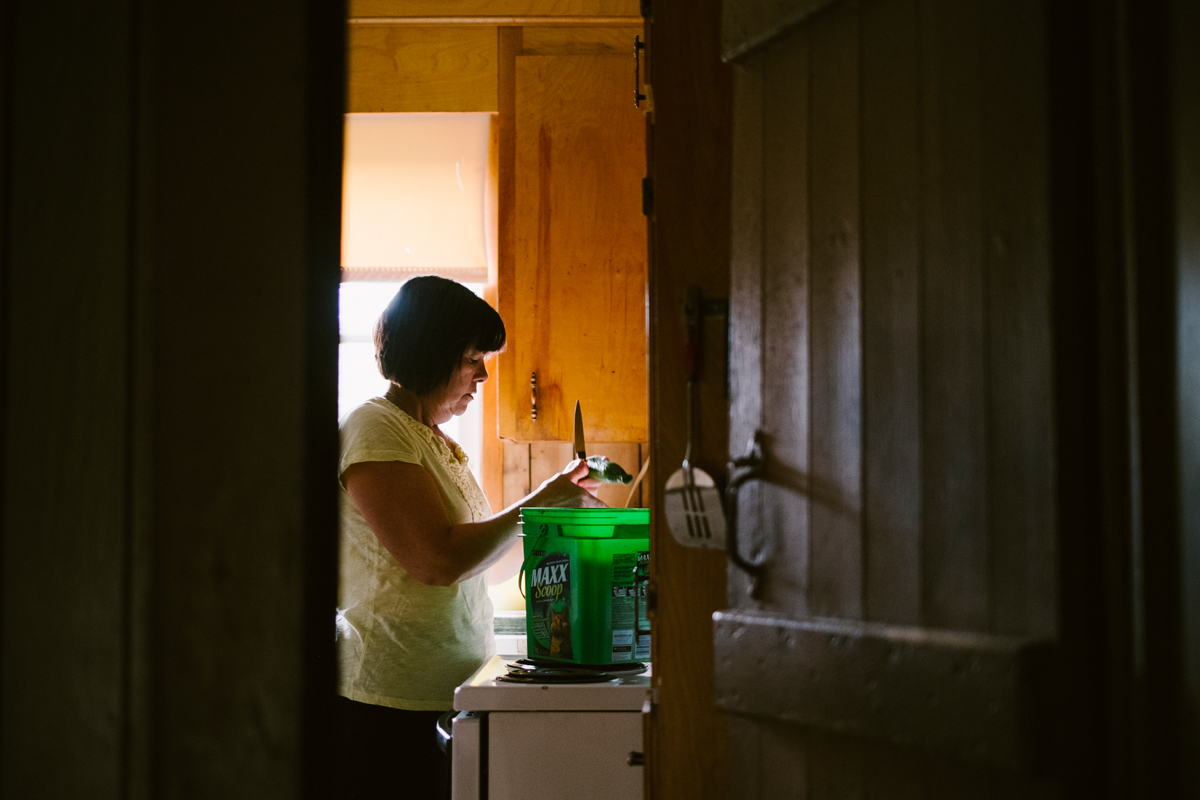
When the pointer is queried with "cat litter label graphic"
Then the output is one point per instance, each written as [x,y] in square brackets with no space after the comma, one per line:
[550,596]
[641,651]
[628,608]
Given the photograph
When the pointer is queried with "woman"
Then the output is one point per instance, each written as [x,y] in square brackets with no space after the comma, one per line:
[417,536]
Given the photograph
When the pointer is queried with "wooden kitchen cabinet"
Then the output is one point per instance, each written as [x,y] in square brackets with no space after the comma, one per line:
[572,266]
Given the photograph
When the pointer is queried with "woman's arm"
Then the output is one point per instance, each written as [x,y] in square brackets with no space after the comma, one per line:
[401,504]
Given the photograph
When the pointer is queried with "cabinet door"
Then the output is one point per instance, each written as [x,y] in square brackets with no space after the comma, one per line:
[577,315]
[583,755]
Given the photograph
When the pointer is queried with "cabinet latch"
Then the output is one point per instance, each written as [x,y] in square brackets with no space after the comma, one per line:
[638,47]
[533,396]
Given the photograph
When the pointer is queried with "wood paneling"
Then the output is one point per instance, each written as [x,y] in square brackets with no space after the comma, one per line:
[546,459]
[891,276]
[746,307]
[1018,351]
[428,68]
[890,317]
[508,46]
[241,237]
[1185,86]
[689,155]
[750,23]
[578,319]
[68,391]
[971,696]
[835,378]
[835,768]
[784,529]
[169,267]
[516,472]
[494,8]
[954,422]
[555,41]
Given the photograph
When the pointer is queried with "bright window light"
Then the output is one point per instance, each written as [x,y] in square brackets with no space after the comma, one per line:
[414,194]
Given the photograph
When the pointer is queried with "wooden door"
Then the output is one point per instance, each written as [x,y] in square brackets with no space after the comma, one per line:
[891,313]
[576,300]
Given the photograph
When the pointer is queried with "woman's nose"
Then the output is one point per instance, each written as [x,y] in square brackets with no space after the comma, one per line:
[481,374]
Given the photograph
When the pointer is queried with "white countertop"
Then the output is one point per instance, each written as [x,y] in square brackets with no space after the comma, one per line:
[482,692]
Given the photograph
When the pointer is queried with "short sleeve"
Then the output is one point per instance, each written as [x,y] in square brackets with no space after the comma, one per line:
[371,434]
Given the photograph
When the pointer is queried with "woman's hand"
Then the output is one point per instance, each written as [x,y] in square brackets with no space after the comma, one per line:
[571,488]
[590,485]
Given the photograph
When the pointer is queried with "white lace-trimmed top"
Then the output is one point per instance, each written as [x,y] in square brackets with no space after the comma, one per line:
[400,642]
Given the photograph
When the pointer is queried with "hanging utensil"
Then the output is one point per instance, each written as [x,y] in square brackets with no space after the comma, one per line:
[692,501]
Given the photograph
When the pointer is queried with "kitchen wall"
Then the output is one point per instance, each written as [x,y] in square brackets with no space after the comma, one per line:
[422,57]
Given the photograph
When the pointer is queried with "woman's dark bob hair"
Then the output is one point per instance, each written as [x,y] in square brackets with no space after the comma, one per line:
[423,333]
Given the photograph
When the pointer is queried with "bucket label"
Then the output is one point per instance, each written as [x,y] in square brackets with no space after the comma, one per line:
[642,651]
[629,608]
[550,596]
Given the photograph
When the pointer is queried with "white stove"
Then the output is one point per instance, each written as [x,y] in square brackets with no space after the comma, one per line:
[514,740]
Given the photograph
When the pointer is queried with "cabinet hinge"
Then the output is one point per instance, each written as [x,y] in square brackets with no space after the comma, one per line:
[647,9]
[648,196]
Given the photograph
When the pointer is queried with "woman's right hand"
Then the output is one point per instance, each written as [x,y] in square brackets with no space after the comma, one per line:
[564,490]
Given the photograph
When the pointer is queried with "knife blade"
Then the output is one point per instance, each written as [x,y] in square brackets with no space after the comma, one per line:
[579,449]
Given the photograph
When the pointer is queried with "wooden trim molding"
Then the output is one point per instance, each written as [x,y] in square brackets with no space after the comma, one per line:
[573,21]
[746,25]
[975,696]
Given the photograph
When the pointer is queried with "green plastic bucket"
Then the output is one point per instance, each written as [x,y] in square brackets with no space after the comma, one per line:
[584,579]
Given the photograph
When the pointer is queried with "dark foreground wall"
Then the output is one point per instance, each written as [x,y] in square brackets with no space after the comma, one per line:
[169,216]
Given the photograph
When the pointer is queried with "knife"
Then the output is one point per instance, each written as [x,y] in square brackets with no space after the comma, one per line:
[579,449]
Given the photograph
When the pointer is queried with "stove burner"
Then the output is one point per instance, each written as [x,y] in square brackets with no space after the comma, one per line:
[623,669]
[528,670]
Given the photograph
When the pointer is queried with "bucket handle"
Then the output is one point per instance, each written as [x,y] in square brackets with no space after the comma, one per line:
[521,575]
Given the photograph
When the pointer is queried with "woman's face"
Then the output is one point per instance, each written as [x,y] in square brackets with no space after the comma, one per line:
[455,396]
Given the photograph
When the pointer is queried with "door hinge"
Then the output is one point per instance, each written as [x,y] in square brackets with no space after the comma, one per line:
[647,9]
[648,196]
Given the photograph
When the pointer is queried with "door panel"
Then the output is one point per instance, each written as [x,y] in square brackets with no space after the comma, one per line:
[953,431]
[835,376]
[890,328]
[891,286]
[785,320]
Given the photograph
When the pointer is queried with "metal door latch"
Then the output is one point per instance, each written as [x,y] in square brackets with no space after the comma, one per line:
[751,466]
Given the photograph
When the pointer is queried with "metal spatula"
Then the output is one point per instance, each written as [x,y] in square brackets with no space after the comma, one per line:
[692,500]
